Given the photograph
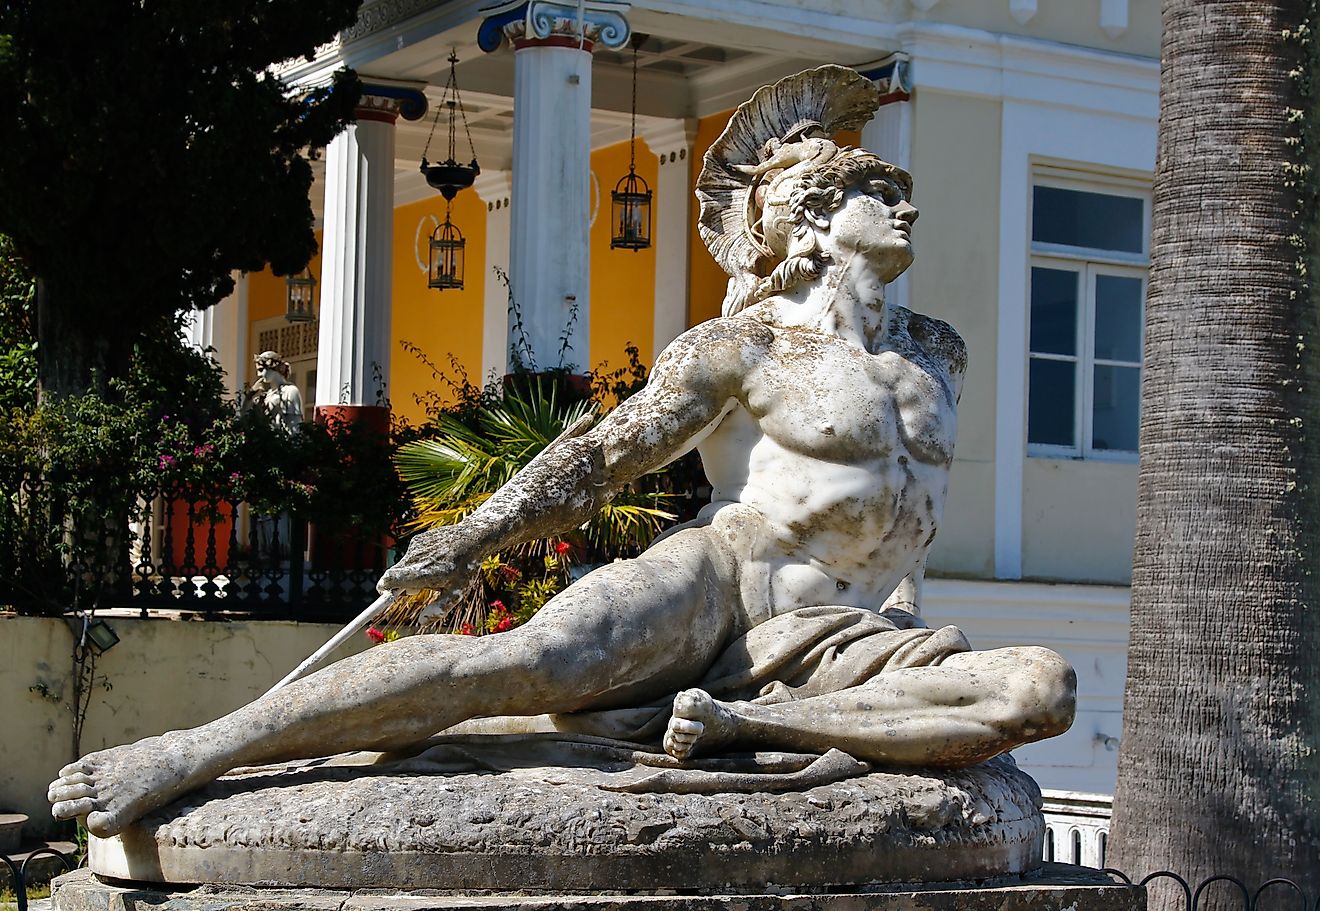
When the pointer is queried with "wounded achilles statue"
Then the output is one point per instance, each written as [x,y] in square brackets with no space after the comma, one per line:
[786,616]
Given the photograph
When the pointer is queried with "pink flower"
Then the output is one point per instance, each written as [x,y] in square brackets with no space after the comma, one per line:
[498,607]
[235,476]
[167,462]
[204,450]
[375,635]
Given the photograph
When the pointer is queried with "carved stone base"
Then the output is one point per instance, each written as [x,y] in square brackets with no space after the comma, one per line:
[570,820]
[1058,887]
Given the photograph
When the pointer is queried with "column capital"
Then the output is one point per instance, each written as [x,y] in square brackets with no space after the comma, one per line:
[669,138]
[388,99]
[892,76]
[555,23]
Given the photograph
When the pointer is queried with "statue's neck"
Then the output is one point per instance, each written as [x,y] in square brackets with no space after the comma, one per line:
[847,300]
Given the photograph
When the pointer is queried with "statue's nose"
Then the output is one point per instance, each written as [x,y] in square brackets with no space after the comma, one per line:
[906,211]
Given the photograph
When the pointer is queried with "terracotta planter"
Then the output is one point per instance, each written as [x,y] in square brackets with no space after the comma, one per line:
[204,517]
[332,549]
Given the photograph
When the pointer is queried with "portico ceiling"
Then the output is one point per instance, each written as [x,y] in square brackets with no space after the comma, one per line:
[680,76]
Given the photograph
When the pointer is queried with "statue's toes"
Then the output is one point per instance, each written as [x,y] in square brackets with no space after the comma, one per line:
[65,791]
[68,809]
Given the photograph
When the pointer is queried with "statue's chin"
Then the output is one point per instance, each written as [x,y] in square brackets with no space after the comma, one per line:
[896,265]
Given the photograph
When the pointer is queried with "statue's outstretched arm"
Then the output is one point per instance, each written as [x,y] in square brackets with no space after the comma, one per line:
[694,384]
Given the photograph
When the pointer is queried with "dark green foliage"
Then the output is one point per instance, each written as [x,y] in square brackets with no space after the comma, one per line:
[148,152]
[18,341]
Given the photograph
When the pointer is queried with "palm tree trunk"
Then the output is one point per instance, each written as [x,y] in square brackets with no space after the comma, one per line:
[1220,765]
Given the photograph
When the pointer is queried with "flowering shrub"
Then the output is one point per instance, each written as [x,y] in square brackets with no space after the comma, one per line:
[91,464]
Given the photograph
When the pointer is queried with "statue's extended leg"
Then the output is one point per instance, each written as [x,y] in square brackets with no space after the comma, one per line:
[628,631]
[972,706]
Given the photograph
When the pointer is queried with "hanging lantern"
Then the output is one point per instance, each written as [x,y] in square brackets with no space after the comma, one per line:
[631,203]
[300,297]
[445,261]
[448,177]
[631,198]
[445,264]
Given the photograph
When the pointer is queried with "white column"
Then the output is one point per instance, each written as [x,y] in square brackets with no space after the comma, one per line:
[496,190]
[549,268]
[223,328]
[671,209]
[889,135]
[199,327]
[356,263]
[230,335]
[353,356]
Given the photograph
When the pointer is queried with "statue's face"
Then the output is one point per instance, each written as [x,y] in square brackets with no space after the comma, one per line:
[875,221]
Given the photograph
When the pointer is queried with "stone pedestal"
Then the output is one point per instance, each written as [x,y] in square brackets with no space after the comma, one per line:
[513,812]
[1057,888]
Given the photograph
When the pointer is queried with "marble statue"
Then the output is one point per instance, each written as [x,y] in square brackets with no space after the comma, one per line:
[786,616]
[273,395]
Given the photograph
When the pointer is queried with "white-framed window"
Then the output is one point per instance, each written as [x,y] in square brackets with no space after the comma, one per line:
[1090,254]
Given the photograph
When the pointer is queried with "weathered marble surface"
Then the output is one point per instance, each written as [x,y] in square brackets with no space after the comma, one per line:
[1057,888]
[587,823]
[784,617]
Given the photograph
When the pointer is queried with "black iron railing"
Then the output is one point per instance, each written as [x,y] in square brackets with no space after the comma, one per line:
[1278,894]
[181,548]
[20,874]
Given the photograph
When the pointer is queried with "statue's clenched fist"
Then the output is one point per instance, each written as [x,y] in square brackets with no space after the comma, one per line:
[441,559]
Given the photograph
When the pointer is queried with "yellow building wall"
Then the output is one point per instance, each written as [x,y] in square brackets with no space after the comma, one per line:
[622,281]
[267,293]
[445,325]
[706,280]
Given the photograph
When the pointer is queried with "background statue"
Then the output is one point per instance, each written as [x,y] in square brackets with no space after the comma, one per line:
[273,395]
[786,615]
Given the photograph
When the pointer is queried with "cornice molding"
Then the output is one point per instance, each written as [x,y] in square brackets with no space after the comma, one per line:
[494,186]
[665,136]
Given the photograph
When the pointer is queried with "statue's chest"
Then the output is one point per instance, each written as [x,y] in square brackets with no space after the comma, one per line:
[837,402]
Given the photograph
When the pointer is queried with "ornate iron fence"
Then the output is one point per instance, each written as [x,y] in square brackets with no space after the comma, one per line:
[183,549]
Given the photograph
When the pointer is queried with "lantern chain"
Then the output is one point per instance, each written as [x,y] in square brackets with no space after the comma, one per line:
[632,138]
[456,101]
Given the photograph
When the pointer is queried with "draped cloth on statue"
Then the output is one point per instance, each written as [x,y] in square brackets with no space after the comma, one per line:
[807,652]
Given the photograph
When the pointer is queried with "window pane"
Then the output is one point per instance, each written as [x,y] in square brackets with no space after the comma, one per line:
[1053,311]
[1117,318]
[1050,402]
[1116,408]
[1081,219]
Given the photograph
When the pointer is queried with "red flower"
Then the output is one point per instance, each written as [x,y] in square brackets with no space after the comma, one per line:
[506,623]
[375,635]
[466,630]
[498,607]
[563,547]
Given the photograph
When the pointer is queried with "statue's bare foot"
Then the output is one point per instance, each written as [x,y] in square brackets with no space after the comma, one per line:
[700,724]
[116,787]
